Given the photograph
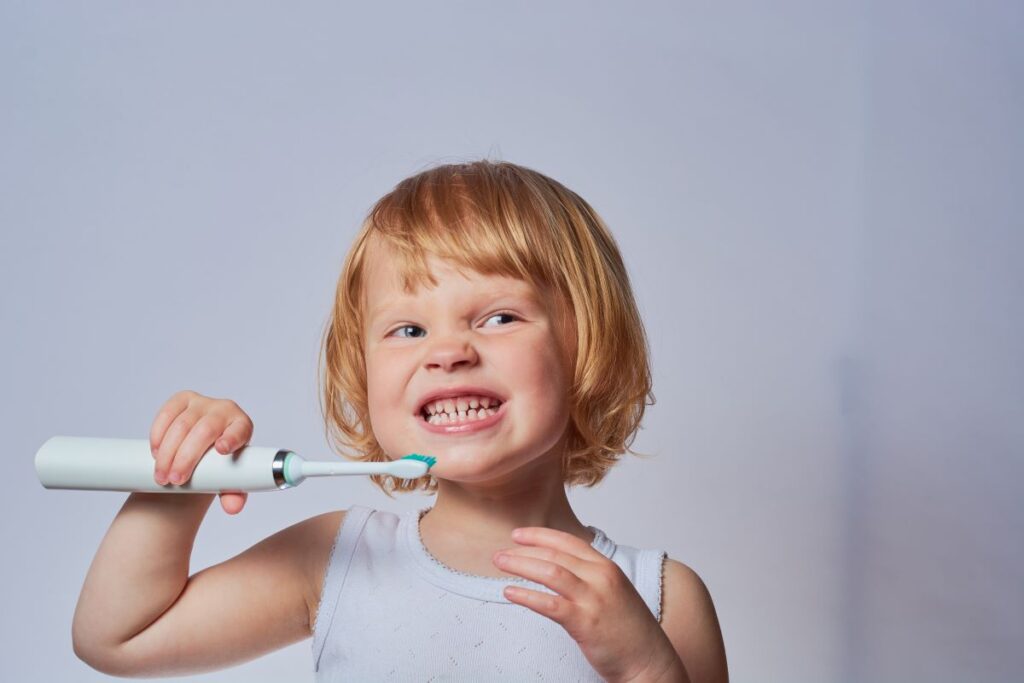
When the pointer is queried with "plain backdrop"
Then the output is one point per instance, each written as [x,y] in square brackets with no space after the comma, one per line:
[818,203]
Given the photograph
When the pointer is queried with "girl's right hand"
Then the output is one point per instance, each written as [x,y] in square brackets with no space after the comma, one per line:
[183,431]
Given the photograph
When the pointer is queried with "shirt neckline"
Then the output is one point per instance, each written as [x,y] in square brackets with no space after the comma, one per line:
[489,588]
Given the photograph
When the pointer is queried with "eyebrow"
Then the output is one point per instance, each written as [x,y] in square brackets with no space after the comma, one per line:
[529,296]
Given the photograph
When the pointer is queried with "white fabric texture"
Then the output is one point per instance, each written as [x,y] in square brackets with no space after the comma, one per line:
[390,611]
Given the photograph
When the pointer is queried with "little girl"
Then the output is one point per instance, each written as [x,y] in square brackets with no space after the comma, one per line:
[483,316]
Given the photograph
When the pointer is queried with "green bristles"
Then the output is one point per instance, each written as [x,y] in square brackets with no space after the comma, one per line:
[429,459]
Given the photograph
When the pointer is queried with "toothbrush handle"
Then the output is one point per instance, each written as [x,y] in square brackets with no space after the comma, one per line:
[102,464]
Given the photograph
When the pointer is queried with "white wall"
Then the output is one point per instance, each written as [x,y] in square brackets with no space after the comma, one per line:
[818,205]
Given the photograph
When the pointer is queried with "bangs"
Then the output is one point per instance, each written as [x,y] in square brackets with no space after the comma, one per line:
[500,219]
[483,219]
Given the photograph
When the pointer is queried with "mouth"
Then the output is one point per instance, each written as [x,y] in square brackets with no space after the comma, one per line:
[461,408]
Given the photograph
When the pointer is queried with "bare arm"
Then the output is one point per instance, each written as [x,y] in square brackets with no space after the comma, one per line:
[691,623]
[138,572]
[140,614]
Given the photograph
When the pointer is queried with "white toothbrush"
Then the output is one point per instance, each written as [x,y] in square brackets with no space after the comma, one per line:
[101,464]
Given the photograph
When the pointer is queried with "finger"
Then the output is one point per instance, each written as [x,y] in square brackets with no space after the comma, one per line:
[236,434]
[555,576]
[553,607]
[570,562]
[198,441]
[559,540]
[168,412]
[233,502]
[171,443]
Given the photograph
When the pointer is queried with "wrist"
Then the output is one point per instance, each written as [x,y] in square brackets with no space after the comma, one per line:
[674,672]
[667,667]
[183,500]
[181,507]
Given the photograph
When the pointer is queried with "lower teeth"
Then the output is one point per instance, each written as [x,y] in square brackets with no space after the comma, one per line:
[458,418]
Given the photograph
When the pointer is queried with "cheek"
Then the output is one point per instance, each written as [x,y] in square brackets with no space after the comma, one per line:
[384,403]
[380,382]
[543,380]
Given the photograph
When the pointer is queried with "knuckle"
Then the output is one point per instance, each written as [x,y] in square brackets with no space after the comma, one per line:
[206,429]
[613,577]
[183,422]
[589,621]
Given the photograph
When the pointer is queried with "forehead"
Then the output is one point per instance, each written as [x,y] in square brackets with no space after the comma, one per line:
[386,279]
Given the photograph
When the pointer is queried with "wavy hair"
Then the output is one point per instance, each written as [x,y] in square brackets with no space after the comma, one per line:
[499,218]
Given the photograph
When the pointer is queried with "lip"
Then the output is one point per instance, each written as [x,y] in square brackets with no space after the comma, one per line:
[468,427]
[453,392]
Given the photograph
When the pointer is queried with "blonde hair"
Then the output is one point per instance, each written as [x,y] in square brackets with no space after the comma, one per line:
[499,218]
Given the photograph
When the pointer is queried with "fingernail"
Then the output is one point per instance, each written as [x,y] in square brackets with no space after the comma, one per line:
[160,477]
[176,478]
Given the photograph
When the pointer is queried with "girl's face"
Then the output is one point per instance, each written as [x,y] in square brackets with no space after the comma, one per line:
[470,338]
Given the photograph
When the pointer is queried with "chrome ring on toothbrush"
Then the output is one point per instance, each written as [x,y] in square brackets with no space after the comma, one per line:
[278,467]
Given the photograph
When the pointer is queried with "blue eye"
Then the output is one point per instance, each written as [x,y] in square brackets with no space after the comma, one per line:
[400,331]
[504,315]
[407,327]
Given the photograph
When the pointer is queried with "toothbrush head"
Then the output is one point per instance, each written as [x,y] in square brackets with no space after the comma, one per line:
[429,459]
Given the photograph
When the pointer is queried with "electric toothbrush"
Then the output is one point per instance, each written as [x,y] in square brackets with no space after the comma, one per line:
[102,464]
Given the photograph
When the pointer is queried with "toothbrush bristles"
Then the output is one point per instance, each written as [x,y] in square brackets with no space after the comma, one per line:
[429,459]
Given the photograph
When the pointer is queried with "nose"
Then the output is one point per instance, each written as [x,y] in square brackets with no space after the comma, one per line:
[450,352]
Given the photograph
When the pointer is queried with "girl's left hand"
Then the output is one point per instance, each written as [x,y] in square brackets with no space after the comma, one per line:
[595,603]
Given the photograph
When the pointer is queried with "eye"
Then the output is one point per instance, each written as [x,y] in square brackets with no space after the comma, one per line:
[397,330]
[504,315]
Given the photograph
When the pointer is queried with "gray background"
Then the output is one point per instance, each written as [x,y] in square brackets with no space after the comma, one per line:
[818,203]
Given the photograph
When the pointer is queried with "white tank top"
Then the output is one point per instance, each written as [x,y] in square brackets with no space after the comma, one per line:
[389,610]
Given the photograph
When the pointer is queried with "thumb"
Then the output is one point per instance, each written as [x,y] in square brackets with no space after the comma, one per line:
[233,502]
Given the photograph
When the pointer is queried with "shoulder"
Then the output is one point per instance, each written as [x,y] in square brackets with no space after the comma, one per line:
[689,620]
[313,540]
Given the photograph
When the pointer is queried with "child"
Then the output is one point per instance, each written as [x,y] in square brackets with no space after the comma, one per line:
[483,316]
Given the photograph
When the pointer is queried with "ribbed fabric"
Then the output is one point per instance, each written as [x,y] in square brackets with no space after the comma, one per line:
[390,611]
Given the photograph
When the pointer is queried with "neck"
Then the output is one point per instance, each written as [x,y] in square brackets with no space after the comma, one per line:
[486,514]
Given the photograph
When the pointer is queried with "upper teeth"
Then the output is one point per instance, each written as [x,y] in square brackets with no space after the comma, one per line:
[463,407]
